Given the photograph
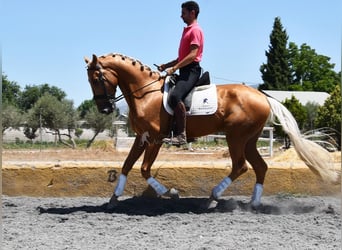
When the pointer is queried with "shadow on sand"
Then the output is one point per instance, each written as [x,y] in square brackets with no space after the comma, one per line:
[160,206]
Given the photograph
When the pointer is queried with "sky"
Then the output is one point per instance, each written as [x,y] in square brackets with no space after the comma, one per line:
[46,41]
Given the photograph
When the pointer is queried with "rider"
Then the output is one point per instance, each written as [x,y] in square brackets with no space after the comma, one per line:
[189,55]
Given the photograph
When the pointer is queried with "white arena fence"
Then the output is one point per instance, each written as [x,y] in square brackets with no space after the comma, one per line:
[265,151]
[122,142]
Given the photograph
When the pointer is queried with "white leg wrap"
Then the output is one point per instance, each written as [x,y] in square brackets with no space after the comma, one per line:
[257,192]
[159,188]
[221,187]
[121,185]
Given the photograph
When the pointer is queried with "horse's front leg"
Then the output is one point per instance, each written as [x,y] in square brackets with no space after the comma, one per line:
[151,153]
[134,154]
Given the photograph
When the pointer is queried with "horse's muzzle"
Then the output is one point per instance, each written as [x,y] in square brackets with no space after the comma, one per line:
[106,110]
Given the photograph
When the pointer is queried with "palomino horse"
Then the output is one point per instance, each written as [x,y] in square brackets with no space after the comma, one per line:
[241,114]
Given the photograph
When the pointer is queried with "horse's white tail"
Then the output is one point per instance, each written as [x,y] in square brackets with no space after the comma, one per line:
[314,156]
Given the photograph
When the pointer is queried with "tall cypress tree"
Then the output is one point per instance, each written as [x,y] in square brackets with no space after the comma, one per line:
[276,72]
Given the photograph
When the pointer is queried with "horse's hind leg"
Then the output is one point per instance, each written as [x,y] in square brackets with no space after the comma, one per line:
[259,167]
[134,154]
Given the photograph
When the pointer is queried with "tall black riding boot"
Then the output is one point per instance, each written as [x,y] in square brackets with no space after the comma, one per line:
[180,119]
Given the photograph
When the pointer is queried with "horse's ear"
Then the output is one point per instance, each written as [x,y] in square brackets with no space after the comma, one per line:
[87,60]
[94,61]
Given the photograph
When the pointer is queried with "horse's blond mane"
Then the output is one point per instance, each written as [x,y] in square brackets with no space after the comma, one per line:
[133,61]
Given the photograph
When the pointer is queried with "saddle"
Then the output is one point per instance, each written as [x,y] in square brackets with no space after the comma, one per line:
[202,99]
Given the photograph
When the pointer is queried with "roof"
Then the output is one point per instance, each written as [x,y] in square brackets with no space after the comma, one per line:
[303,96]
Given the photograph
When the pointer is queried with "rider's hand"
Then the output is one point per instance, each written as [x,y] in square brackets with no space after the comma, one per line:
[161,68]
[170,71]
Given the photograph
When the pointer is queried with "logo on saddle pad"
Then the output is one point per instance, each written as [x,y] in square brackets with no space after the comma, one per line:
[202,100]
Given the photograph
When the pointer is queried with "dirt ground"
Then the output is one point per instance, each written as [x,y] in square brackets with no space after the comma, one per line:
[284,221]
[107,153]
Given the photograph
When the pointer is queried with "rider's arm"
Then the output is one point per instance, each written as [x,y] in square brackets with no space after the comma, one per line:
[186,60]
[175,65]
[168,65]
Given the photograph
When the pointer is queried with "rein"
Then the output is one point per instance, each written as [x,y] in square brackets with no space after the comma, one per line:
[122,96]
[112,99]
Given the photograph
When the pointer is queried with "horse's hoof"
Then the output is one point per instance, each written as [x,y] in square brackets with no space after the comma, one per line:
[256,207]
[173,194]
[252,206]
[113,202]
[211,203]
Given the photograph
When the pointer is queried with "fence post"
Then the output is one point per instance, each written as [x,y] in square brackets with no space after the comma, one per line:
[271,141]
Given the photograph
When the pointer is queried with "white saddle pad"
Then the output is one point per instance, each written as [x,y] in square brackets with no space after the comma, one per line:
[204,100]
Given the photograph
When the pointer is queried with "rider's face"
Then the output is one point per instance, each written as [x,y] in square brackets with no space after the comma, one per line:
[187,16]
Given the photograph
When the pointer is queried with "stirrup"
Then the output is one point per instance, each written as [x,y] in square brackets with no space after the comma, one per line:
[175,141]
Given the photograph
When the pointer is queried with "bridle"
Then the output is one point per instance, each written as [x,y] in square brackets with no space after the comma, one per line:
[101,79]
[111,98]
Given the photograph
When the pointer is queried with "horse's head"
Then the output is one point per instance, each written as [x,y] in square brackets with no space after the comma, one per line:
[103,82]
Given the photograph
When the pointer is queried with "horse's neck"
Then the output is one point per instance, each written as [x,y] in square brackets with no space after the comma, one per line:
[140,91]
[138,83]
[132,73]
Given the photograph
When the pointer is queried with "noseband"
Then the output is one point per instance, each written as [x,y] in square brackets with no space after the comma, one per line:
[112,99]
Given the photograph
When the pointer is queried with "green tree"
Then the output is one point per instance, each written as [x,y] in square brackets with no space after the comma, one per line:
[31,94]
[311,71]
[276,72]
[97,122]
[84,107]
[11,117]
[299,113]
[10,92]
[30,132]
[329,115]
[311,111]
[31,125]
[56,115]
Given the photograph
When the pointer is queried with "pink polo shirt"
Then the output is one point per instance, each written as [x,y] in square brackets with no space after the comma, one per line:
[192,34]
